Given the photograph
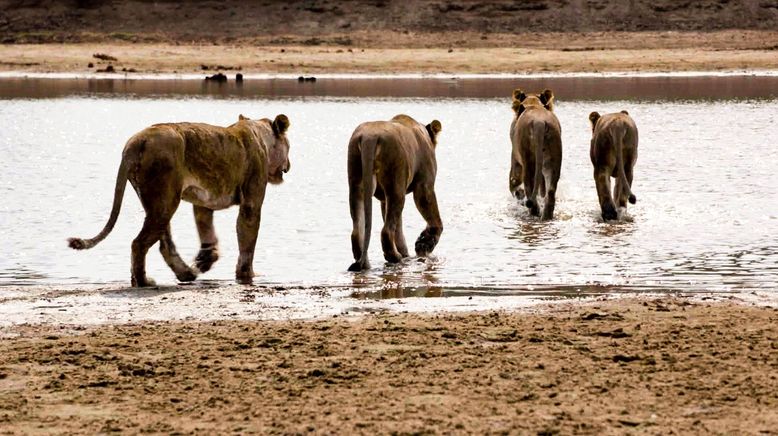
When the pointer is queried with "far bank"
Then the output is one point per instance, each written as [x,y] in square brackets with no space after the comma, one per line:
[567,53]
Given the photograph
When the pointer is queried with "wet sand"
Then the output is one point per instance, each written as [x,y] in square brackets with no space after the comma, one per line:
[648,365]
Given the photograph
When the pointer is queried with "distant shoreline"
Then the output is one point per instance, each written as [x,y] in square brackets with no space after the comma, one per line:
[22,74]
[151,60]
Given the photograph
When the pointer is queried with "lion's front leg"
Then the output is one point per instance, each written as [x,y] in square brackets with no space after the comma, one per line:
[427,203]
[248,229]
[209,243]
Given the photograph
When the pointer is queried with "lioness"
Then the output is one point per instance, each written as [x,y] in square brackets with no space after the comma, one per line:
[536,159]
[211,167]
[389,159]
[614,151]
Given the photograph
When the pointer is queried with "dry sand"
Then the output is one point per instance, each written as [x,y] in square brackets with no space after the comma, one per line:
[637,365]
[162,58]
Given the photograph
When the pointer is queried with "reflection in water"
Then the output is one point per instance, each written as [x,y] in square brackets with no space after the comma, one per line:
[21,275]
[612,229]
[662,88]
[413,277]
[685,233]
[533,232]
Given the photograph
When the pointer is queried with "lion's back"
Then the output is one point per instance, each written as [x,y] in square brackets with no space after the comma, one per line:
[213,155]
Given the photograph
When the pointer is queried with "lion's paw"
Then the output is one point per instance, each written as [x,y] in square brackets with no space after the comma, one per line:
[359,266]
[186,276]
[144,282]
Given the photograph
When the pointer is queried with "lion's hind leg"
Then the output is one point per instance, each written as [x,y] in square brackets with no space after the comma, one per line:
[168,249]
[148,236]
[357,209]
[159,191]
[602,180]
[529,188]
[399,236]
[548,187]
[515,179]
[360,207]
[399,239]
[395,202]
[621,193]
[619,196]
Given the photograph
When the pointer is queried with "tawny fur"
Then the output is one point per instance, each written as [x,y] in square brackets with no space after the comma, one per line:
[388,159]
[613,152]
[536,158]
[209,166]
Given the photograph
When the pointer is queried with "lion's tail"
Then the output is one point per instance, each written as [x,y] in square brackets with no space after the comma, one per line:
[539,136]
[617,139]
[118,195]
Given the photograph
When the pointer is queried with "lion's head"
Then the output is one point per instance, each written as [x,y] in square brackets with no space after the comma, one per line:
[278,152]
[522,101]
[277,148]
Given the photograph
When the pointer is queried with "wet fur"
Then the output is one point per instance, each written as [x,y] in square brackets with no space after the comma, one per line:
[209,166]
[613,152]
[389,159]
[536,158]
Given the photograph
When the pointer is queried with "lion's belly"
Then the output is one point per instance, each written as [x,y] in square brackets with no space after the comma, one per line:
[196,194]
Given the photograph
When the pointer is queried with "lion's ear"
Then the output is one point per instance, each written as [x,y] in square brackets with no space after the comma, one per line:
[241,117]
[547,98]
[518,107]
[625,112]
[593,117]
[280,124]
[433,129]
[519,95]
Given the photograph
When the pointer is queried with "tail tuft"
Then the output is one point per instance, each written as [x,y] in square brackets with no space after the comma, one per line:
[633,199]
[78,244]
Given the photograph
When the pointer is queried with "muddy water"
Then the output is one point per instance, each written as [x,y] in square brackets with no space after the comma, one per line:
[706,217]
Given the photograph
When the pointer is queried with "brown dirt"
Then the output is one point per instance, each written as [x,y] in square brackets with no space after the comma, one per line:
[388,36]
[637,53]
[656,366]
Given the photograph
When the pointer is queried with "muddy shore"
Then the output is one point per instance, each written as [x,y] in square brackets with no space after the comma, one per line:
[647,365]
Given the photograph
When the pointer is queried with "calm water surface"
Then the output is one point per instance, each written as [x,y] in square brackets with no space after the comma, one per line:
[706,182]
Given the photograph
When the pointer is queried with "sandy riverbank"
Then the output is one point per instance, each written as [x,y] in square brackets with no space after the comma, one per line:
[651,365]
[603,52]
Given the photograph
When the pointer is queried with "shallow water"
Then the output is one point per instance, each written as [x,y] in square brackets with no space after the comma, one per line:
[705,218]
